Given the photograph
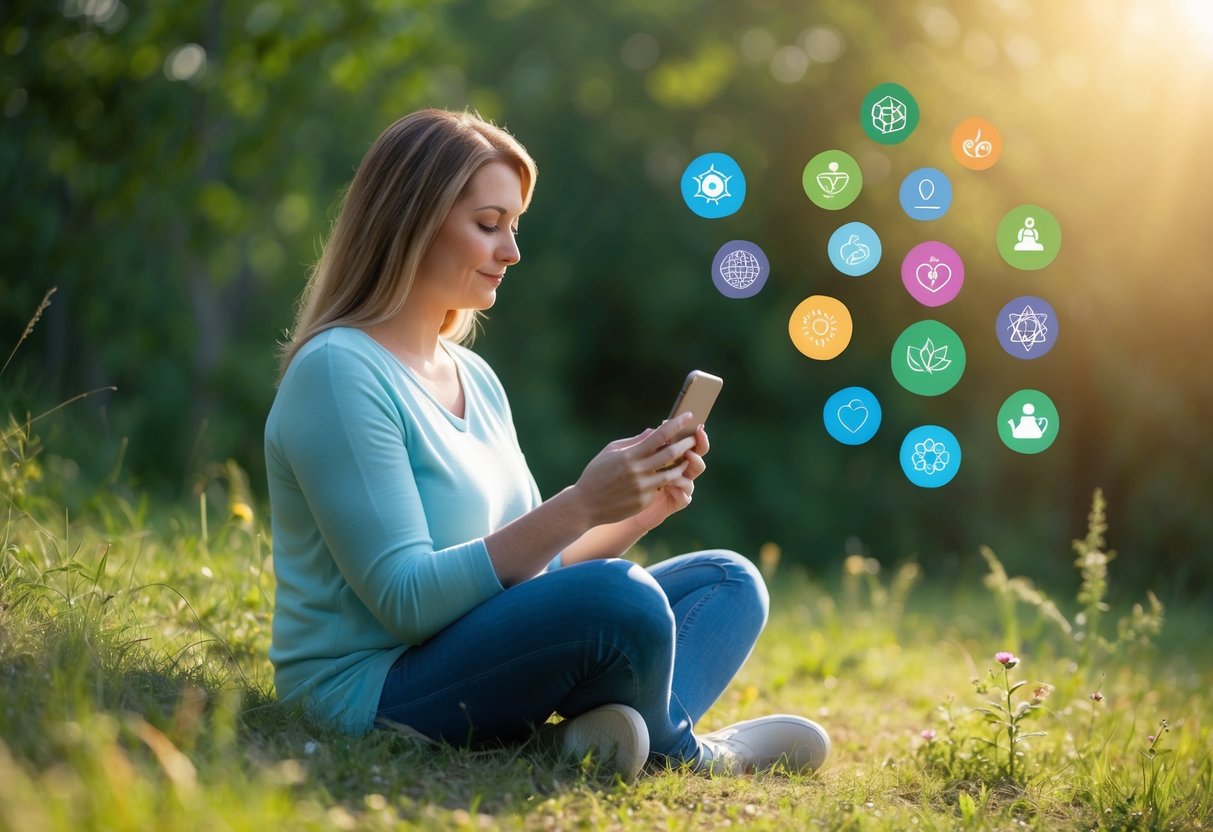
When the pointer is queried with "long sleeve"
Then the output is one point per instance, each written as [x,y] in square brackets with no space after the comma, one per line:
[347,450]
[380,501]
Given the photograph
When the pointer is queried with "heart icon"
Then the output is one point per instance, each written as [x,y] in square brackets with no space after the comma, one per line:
[933,278]
[853,415]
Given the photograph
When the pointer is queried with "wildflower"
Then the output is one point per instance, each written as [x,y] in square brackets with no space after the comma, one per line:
[1007,660]
[1097,696]
[1150,739]
[242,512]
[1041,693]
[928,734]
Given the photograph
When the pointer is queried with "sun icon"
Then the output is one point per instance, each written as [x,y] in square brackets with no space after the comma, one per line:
[713,185]
[820,327]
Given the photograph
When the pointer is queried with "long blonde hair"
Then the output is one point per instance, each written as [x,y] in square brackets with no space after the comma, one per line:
[401,194]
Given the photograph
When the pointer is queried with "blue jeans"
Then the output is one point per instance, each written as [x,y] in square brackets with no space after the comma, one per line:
[666,641]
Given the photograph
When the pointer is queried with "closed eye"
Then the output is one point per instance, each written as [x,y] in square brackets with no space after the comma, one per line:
[492,229]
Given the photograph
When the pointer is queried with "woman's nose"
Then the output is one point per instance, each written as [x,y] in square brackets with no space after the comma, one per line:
[509,253]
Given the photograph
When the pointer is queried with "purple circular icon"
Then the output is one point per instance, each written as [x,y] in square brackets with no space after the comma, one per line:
[933,273]
[740,269]
[1027,327]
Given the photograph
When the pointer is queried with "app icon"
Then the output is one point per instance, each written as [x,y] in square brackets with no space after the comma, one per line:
[820,327]
[928,358]
[740,269]
[932,273]
[930,456]
[855,249]
[1028,422]
[713,186]
[976,143]
[852,415]
[832,179]
[889,113]
[926,194]
[1027,327]
[1029,237]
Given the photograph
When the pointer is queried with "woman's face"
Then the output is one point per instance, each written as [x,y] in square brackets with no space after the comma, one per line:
[468,258]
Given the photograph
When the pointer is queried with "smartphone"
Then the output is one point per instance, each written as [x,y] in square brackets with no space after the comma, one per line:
[697,395]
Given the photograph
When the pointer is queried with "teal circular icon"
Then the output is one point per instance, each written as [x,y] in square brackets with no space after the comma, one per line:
[855,249]
[1028,422]
[713,186]
[852,415]
[889,113]
[928,358]
[930,456]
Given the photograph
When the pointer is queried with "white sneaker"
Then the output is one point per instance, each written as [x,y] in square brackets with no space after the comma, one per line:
[791,742]
[614,734]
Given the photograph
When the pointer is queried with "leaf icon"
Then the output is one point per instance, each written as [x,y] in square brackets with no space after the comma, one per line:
[928,358]
[937,362]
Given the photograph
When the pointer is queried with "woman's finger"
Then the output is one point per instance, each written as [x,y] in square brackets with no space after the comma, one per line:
[696,465]
[664,456]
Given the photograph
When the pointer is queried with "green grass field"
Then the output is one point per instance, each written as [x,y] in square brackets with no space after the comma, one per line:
[135,693]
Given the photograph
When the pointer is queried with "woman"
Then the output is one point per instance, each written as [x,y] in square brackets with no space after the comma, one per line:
[420,578]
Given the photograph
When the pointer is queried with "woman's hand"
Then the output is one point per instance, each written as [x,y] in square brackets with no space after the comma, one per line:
[623,480]
[676,495]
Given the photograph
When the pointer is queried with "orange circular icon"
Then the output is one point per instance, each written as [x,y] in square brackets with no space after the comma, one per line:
[820,327]
[976,143]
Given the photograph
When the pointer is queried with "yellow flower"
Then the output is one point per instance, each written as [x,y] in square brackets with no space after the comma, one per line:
[242,512]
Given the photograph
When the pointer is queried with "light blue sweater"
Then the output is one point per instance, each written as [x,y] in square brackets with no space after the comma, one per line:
[381,499]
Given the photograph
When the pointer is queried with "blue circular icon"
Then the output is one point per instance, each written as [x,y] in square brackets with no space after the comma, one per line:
[1027,327]
[926,194]
[740,269]
[855,249]
[852,415]
[930,456]
[713,186]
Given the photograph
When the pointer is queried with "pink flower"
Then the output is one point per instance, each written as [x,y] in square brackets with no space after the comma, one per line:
[1097,696]
[928,734]
[1150,738]
[1007,660]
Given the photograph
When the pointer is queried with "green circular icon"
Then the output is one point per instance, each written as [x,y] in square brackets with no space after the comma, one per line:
[1028,422]
[1029,237]
[832,179]
[928,358]
[889,113]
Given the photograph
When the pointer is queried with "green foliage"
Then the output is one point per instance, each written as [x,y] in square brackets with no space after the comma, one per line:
[174,168]
[1140,628]
[134,694]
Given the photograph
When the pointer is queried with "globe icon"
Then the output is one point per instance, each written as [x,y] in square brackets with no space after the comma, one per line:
[740,269]
[889,114]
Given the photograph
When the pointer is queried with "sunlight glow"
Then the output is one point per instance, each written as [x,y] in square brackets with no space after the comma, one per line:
[1200,14]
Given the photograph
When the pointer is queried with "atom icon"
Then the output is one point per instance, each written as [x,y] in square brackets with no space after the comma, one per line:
[1028,328]
[712,185]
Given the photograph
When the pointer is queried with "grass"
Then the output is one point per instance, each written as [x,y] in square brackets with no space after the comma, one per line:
[135,693]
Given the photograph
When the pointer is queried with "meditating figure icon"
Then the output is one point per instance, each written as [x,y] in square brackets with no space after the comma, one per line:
[1028,237]
[1030,426]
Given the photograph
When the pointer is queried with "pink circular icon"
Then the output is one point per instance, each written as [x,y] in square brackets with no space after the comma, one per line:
[933,273]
